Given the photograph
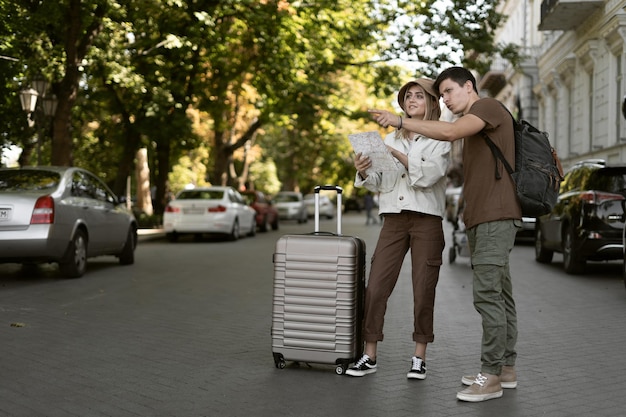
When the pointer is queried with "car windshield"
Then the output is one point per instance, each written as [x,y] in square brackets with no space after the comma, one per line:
[609,180]
[286,198]
[28,180]
[201,195]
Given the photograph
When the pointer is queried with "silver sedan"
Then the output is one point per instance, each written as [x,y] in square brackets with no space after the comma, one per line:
[62,215]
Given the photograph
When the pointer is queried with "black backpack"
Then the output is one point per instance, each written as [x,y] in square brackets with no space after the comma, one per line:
[538,172]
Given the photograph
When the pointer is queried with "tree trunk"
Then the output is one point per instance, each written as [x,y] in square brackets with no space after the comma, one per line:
[224,150]
[242,178]
[61,152]
[142,172]
[163,168]
[27,152]
[127,160]
[223,157]
[77,43]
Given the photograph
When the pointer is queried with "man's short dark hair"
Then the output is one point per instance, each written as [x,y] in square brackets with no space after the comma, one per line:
[459,75]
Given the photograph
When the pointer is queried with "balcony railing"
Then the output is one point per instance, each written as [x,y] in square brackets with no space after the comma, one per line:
[566,14]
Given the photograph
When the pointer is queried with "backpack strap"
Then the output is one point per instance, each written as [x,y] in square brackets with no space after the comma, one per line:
[497,153]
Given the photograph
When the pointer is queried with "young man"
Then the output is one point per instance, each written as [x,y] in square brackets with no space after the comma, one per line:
[492,216]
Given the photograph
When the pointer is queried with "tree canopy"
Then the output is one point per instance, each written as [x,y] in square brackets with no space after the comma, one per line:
[251,83]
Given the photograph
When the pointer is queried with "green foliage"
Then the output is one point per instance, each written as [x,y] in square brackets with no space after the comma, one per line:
[195,81]
[466,29]
[145,221]
[263,175]
[14,123]
[189,170]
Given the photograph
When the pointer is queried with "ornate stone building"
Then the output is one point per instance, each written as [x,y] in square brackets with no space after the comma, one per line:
[571,82]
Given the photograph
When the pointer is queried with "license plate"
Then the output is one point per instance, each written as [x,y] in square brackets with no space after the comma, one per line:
[193,211]
[5,214]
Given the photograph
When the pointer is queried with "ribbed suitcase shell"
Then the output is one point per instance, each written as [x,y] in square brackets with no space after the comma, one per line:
[319,282]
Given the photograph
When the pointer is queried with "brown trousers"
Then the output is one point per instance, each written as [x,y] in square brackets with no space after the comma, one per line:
[423,234]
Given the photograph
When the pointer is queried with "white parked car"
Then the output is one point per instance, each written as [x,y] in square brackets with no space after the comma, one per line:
[327,208]
[290,205]
[220,210]
[62,215]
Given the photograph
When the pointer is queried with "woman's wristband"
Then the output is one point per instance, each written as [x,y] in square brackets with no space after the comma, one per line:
[400,124]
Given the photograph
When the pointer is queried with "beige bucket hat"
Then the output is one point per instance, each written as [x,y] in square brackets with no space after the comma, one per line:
[425,83]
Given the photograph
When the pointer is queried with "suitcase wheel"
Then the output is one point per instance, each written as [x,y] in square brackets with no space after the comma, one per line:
[279,361]
[341,369]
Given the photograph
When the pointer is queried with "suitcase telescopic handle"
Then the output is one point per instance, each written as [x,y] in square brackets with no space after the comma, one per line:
[339,191]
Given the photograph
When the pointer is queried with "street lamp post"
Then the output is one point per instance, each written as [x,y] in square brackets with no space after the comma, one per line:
[47,108]
[49,105]
[41,85]
[28,99]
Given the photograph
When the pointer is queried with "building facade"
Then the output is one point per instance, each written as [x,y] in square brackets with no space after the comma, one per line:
[570,83]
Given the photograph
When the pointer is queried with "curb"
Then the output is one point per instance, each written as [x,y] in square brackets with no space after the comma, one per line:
[150,234]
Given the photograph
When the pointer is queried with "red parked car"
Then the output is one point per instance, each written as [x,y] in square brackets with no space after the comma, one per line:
[266,213]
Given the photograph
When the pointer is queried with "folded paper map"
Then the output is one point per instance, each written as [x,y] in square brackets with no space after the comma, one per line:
[371,144]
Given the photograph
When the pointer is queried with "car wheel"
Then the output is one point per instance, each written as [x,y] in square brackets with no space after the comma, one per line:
[74,262]
[573,263]
[234,233]
[264,225]
[172,237]
[542,255]
[127,255]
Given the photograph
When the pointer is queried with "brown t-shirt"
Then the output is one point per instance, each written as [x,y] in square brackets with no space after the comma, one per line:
[487,198]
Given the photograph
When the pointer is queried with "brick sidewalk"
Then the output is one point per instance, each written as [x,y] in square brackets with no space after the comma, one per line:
[183,344]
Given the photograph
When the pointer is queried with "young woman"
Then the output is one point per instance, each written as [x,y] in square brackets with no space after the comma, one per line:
[412,203]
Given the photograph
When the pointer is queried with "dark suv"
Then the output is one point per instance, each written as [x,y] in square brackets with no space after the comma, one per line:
[587,220]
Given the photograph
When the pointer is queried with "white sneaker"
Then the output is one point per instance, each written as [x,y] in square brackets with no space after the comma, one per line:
[418,368]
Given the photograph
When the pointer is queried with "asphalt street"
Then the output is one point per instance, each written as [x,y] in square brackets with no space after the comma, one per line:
[185,332]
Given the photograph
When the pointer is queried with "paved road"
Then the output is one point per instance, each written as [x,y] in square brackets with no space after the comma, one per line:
[181,334]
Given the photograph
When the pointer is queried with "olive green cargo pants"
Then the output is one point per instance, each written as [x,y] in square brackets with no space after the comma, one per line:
[490,245]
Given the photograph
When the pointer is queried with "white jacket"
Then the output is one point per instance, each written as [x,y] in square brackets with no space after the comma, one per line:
[422,187]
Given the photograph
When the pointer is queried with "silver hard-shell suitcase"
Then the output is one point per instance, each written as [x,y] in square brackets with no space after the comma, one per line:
[319,281]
